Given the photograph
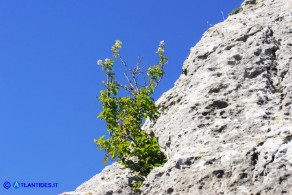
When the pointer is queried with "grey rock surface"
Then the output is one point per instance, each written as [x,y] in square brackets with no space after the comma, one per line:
[114,179]
[227,122]
[226,125]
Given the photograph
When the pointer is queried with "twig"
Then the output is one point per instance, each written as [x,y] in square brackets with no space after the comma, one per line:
[128,69]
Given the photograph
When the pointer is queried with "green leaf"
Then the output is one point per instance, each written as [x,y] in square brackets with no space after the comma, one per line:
[124,116]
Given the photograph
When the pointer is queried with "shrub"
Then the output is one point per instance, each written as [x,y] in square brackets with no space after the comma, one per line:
[132,146]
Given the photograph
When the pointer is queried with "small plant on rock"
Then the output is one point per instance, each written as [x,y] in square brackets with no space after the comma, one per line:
[235,11]
[132,146]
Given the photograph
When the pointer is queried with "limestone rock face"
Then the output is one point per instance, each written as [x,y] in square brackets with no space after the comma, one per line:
[226,125]
[114,179]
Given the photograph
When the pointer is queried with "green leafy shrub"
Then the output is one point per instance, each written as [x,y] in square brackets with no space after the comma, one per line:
[132,146]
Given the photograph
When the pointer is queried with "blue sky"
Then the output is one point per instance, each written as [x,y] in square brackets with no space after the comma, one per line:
[49,79]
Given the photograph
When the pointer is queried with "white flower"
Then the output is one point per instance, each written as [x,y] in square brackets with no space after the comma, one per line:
[118,43]
[160,50]
[161,47]
[106,60]
[99,62]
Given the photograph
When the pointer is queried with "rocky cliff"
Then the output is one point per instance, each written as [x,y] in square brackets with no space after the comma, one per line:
[226,125]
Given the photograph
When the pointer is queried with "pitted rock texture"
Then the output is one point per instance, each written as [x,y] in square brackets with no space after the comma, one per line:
[226,125]
[114,179]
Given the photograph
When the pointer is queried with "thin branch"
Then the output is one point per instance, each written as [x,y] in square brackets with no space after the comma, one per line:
[134,76]
[137,71]
[127,69]
[107,85]
[127,89]
[139,60]
[145,81]
[129,81]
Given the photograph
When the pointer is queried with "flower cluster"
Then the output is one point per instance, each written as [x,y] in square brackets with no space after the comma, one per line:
[117,46]
[161,47]
[99,62]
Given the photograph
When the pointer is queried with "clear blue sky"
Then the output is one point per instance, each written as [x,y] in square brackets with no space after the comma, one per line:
[49,79]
